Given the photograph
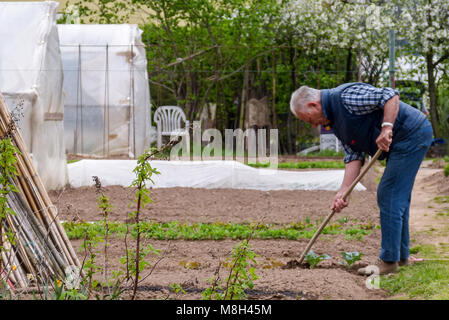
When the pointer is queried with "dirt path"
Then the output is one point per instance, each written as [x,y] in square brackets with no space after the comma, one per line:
[429,221]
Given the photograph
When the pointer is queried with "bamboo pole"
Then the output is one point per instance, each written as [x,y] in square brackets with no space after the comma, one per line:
[12,274]
[35,209]
[45,201]
[48,206]
[12,261]
[52,252]
[20,248]
[37,205]
[32,235]
[43,245]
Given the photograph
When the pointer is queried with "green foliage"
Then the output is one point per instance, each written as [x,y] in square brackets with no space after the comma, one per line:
[423,280]
[60,293]
[313,259]
[5,292]
[199,51]
[356,233]
[176,230]
[103,204]
[441,199]
[415,249]
[8,172]
[351,257]
[144,263]
[98,11]
[241,276]
[302,165]
[143,172]
[176,288]
[446,170]
[326,153]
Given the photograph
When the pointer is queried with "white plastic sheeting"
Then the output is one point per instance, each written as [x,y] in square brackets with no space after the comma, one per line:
[205,174]
[107,108]
[31,74]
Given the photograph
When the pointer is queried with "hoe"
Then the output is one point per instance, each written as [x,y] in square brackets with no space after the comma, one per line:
[345,195]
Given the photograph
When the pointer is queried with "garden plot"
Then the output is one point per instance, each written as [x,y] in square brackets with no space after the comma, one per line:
[201,227]
[205,174]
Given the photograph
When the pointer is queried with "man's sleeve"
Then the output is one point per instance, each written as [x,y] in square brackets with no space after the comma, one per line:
[351,155]
[385,95]
[364,98]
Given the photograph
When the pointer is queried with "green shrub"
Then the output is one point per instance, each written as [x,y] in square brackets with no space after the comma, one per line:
[446,171]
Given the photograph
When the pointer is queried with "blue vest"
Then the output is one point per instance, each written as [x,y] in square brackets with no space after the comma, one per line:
[361,131]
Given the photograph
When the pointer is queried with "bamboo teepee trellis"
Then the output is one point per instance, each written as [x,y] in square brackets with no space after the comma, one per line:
[42,251]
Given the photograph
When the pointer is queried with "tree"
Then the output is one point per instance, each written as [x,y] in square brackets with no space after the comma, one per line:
[425,24]
[98,11]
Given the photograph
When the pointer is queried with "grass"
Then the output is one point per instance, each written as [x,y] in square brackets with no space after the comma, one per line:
[443,213]
[422,280]
[175,230]
[303,165]
[326,153]
[427,251]
[441,199]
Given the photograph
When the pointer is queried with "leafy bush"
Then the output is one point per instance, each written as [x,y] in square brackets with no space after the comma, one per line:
[446,171]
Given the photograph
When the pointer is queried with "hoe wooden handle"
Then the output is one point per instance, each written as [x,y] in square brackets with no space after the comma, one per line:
[345,195]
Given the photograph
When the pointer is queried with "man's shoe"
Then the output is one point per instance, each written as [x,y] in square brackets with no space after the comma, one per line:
[379,268]
[404,262]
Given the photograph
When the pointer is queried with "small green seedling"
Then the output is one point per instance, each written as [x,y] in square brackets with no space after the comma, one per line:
[314,259]
[351,257]
[176,288]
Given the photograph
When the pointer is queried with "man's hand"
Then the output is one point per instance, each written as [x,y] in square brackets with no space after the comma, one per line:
[391,109]
[384,139]
[352,170]
[339,203]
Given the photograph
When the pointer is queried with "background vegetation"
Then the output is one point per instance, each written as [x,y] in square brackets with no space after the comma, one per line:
[225,52]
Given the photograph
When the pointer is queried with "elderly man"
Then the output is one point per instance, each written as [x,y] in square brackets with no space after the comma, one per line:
[363,117]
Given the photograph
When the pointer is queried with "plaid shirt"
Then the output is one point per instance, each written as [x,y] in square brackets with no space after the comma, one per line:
[363,99]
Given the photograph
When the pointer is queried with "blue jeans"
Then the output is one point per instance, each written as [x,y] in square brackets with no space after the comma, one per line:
[395,189]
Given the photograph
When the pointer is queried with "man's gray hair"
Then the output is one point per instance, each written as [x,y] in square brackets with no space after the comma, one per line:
[301,96]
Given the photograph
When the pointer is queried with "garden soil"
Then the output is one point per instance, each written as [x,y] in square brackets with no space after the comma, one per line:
[191,263]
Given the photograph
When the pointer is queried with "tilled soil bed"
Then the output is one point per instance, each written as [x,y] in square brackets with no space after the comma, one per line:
[191,263]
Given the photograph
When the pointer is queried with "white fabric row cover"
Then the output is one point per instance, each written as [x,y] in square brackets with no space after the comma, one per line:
[31,75]
[107,107]
[205,174]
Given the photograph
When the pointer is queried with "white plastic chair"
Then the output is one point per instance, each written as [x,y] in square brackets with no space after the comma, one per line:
[168,121]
